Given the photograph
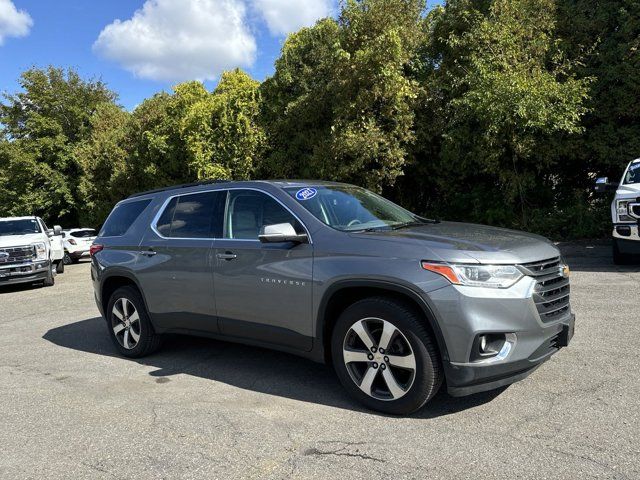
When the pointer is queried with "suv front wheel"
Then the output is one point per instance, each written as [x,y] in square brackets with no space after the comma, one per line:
[385,356]
[129,326]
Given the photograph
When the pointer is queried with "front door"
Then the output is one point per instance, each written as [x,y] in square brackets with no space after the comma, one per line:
[263,290]
[175,262]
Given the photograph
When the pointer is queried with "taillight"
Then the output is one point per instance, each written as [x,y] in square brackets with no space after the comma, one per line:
[95,248]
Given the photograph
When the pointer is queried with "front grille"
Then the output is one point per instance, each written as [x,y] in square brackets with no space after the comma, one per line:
[551,293]
[635,209]
[16,254]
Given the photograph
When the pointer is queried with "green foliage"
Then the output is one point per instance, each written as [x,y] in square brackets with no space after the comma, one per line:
[505,96]
[340,105]
[103,158]
[494,111]
[40,127]
[221,132]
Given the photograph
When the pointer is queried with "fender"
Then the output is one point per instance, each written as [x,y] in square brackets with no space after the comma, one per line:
[111,272]
[383,285]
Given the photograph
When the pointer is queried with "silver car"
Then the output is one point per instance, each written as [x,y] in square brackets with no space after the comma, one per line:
[397,303]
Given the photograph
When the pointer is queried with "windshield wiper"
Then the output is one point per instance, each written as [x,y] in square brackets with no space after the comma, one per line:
[423,221]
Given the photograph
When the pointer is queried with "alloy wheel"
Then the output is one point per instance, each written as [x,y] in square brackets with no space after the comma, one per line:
[379,359]
[125,322]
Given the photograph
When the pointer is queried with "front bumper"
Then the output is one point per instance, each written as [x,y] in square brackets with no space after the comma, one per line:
[464,313]
[468,379]
[25,272]
[627,237]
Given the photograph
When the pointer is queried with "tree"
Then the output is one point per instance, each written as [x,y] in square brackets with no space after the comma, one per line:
[340,105]
[40,126]
[496,79]
[103,157]
[604,37]
[221,131]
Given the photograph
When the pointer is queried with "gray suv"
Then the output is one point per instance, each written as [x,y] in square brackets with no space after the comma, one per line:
[397,303]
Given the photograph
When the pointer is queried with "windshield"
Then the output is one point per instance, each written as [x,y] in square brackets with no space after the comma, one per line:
[633,174]
[19,227]
[350,208]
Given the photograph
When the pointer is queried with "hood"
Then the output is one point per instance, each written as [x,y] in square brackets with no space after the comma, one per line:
[466,242]
[19,240]
[626,191]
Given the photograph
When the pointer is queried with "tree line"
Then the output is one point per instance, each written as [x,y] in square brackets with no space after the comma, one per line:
[491,111]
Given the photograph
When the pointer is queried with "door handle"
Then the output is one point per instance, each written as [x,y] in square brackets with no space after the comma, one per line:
[226,256]
[148,253]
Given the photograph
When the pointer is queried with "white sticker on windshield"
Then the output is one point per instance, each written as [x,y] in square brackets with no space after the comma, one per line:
[306,193]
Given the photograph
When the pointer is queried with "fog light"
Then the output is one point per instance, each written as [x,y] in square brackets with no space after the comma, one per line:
[490,344]
[624,230]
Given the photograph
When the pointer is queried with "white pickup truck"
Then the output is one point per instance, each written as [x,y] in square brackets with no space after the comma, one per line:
[29,251]
[625,212]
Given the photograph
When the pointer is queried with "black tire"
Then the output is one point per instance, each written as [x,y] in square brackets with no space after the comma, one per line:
[50,281]
[428,375]
[149,341]
[60,266]
[620,258]
[67,259]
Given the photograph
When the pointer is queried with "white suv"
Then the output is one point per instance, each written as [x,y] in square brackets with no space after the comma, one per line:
[77,242]
[625,212]
[29,251]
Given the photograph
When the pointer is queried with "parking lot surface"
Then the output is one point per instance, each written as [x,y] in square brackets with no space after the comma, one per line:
[71,408]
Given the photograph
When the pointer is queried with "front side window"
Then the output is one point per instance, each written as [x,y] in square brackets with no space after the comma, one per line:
[351,208]
[196,215]
[249,210]
[19,227]
[122,217]
[633,174]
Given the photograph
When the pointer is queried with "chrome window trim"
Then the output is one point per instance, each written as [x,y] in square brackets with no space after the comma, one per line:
[162,208]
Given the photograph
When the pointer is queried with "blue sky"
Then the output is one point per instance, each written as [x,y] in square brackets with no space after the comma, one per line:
[140,47]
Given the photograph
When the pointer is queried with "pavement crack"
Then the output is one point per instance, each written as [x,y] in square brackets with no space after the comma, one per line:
[343,452]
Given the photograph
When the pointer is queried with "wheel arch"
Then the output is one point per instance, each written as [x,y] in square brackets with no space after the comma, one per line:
[344,293]
[115,280]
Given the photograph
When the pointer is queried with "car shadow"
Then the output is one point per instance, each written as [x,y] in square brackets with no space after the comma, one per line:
[19,287]
[250,368]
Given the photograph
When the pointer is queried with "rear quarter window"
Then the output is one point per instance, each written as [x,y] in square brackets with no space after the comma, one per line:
[122,217]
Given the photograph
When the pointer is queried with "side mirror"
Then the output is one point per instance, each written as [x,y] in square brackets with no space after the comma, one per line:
[281,232]
[57,230]
[603,185]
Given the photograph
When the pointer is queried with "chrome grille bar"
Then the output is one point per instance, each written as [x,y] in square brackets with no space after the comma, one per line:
[552,289]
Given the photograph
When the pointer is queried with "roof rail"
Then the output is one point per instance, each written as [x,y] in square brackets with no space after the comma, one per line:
[173,187]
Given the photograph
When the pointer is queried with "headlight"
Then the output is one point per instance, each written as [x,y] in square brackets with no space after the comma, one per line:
[41,250]
[622,211]
[491,276]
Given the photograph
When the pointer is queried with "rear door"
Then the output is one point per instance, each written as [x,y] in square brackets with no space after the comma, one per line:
[175,264]
[263,291]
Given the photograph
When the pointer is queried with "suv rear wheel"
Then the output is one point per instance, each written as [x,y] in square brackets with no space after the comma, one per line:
[385,356]
[129,325]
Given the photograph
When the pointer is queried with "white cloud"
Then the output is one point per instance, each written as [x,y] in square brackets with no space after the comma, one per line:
[286,16]
[13,22]
[180,40]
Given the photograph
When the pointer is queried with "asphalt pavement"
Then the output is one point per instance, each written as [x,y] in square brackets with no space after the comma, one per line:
[70,408]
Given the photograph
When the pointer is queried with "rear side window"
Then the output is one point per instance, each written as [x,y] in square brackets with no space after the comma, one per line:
[196,215]
[122,217]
